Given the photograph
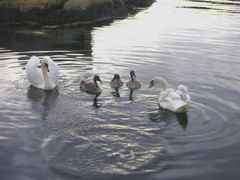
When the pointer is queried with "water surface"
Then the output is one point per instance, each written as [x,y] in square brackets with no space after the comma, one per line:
[66,134]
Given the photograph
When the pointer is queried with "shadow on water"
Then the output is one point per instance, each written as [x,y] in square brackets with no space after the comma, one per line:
[28,39]
[182,119]
[115,93]
[96,102]
[131,95]
[42,101]
[165,116]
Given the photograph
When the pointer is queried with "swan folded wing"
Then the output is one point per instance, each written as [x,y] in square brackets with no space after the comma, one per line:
[184,95]
[172,103]
[168,95]
[33,71]
[171,100]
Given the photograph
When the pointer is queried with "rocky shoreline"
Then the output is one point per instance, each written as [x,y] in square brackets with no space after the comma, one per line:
[67,12]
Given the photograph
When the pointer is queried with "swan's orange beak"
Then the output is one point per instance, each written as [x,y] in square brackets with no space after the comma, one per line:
[46,65]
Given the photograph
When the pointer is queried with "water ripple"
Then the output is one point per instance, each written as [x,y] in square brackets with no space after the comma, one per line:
[70,134]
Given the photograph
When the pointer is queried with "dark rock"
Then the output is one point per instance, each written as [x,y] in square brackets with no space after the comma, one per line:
[139,3]
[119,9]
[62,12]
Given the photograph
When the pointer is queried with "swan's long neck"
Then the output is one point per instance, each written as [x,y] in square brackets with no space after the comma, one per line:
[162,82]
[47,83]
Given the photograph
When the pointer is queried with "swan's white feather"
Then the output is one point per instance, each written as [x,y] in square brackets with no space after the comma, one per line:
[171,100]
[34,73]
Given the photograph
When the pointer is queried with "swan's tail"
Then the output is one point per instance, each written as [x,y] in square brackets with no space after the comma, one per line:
[183,92]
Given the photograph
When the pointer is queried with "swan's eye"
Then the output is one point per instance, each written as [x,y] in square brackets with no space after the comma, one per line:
[39,66]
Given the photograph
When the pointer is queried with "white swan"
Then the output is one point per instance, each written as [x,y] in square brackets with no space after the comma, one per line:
[175,101]
[42,74]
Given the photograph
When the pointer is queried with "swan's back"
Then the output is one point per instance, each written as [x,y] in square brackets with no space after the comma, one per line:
[171,100]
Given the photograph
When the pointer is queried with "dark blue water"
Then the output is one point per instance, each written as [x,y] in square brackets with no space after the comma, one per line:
[65,134]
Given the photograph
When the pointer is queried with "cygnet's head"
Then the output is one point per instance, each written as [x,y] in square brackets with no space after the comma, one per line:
[116,77]
[132,74]
[97,78]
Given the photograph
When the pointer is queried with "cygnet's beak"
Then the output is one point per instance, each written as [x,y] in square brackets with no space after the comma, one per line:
[99,80]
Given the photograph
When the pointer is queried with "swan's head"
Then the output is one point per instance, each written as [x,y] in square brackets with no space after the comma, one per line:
[158,80]
[97,78]
[44,62]
[116,77]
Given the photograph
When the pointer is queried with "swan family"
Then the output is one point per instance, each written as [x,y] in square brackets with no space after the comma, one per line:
[43,74]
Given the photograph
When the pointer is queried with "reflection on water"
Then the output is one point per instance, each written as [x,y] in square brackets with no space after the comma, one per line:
[165,117]
[24,39]
[115,93]
[124,135]
[182,119]
[96,102]
[42,100]
[131,95]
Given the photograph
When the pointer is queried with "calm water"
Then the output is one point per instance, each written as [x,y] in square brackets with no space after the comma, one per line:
[65,134]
